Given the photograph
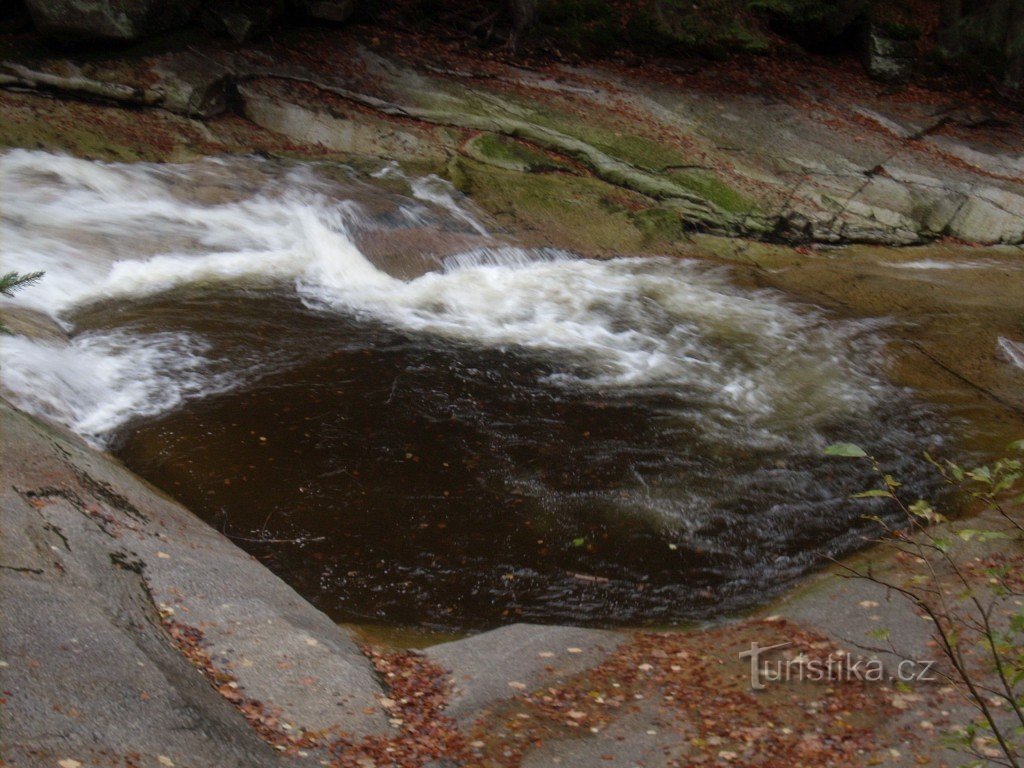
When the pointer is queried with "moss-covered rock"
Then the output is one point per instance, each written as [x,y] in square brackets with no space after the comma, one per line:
[510,154]
[571,211]
[710,187]
[637,163]
[659,226]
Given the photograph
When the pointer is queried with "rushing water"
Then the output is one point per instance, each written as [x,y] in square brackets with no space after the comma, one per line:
[413,420]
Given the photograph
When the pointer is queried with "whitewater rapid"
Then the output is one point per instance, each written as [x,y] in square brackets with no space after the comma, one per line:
[757,368]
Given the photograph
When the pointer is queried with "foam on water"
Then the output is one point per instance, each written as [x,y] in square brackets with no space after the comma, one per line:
[757,367]
[101,380]
[936,264]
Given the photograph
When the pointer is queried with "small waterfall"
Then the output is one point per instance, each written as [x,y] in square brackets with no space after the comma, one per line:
[108,232]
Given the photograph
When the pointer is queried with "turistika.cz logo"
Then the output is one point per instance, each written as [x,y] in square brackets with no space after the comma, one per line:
[837,667]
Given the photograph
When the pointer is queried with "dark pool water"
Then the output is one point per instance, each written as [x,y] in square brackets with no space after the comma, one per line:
[402,478]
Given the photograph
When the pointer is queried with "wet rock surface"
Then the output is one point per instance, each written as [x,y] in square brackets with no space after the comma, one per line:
[817,161]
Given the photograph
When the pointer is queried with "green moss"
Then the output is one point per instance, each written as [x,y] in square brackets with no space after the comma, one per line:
[28,129]
[798,11]
[712,189]
[600,131]
[618,156]
[578,212]
[659,225]
[744,251]
[624,145]
[639,151]
[745,39]
[460,179]
[511,154]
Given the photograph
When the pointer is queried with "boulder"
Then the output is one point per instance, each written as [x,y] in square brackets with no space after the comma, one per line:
[887,57]
[81,20]
[238,20]
[191,84]
[186,83]
[112,594]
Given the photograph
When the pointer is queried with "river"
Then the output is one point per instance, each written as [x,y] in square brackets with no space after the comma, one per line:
[414,420]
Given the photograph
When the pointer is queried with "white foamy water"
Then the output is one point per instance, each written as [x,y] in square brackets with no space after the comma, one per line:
[101,380]
[754,364]
[1013,350]
[936,264]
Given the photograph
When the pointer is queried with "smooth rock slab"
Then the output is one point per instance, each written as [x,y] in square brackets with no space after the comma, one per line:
[269,106]
[496,665]
[91,557]
[647,737]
